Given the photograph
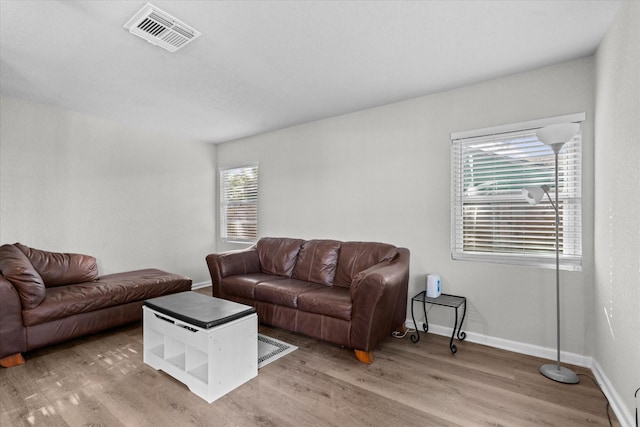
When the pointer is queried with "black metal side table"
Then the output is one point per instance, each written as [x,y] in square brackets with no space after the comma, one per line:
[446,300]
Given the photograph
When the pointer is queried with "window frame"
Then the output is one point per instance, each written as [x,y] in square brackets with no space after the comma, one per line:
[225,204]
[572,220]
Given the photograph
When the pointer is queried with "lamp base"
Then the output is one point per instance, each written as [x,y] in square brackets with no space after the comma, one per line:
[559,373]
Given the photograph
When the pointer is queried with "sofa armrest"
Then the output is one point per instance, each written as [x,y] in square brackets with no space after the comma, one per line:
[230,263]
[13,337]
[379,298]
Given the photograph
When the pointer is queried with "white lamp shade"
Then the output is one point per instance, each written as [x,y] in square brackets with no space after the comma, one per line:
[557,135]
[533,195]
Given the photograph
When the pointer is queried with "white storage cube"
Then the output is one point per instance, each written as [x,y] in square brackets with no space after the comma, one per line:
[211,362]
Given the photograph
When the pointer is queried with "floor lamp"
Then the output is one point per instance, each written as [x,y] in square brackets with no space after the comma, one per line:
[555,136]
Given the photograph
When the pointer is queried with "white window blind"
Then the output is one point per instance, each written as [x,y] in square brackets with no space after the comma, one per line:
[492,221]
[239,204]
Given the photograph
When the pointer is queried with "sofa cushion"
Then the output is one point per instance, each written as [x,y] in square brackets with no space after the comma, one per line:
[108,291]
[244,285]
[317,261]
[284,292]
[278,255]
[17,269]
[57,269]
[357,256]
[334,302]
[239,262]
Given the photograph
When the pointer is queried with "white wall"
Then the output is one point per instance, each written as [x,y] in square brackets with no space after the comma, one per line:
[384,175]
[617,205]
[131,198]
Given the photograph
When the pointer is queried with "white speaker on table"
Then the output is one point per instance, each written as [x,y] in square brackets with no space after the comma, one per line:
[433,286]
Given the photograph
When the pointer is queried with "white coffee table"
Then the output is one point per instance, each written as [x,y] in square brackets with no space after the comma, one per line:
[208,344]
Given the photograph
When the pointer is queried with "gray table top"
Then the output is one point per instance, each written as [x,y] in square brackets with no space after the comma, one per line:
[198,309]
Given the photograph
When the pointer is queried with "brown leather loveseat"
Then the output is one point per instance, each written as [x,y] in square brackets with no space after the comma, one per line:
[349,293]
[48,297]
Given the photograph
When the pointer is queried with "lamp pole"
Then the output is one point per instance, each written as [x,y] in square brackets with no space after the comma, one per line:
[556,151]
[557,372]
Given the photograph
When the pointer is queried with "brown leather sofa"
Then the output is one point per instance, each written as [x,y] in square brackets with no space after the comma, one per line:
[349,293]
[48,297]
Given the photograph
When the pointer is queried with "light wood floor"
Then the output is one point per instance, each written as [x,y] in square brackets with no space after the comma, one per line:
[102,380]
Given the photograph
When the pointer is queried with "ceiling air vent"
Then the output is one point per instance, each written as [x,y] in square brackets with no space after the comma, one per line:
[160,28]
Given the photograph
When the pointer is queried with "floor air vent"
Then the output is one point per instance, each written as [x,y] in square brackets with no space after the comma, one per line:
[160,28]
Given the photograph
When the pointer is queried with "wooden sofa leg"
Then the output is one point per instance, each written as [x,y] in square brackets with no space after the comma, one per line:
[11,361]
[364,356]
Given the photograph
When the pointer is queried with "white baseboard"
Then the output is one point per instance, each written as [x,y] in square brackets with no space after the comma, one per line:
[622,412]
[515,346]
[199,285]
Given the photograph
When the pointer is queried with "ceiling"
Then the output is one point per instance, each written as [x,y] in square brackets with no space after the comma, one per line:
[266,65]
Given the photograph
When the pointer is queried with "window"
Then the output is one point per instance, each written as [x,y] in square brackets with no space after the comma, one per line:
[491,221]
[239,204]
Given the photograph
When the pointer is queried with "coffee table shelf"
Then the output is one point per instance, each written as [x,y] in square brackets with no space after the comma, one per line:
[201,372]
